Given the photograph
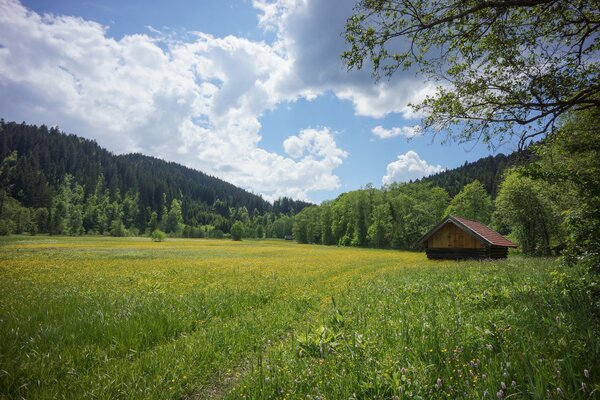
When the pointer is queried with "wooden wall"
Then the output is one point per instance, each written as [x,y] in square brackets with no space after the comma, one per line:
[451,236]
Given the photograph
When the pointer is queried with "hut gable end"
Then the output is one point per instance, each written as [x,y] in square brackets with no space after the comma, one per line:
[451,236]
[461,238]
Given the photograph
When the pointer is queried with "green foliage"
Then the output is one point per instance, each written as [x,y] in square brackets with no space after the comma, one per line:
[570,166]
[158,236]
[194,232]
[321,342]
[415,209]
[396,216]
[307,225]
[40,219]
[130,209]
[237,231]
[153,222]
[524,207]
[117,229]
[7,169]
[174,221]
[488,170]
[216,234]
[67,208]
[326,223]
[484,58]
[6,227]
[288,206]
[22,220]
[472,203]
[380,232]
[260,232]
[81,199]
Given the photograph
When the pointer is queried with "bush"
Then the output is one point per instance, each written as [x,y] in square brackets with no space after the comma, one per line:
[237,230]
[197,232]
[118,229]
[158,236]
[6,227]
[216,234]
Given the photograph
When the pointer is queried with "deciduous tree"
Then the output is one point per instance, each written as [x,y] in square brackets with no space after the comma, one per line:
[237,230]
[472,202]
[524,207]
[497,65]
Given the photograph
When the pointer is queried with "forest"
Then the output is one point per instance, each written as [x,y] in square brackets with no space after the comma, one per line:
[66,185]
[63,184]
[544,198]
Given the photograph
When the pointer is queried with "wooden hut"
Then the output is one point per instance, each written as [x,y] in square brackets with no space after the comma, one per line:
[460,238]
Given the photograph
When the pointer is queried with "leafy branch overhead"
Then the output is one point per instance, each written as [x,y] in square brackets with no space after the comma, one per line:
[501,68]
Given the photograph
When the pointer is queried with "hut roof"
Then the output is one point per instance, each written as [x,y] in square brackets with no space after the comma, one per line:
[473,228]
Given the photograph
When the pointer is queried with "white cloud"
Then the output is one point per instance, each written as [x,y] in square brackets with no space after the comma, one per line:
[309,31]
[408,132]
[195,102]
[407,167]
[311,142]
[269,14]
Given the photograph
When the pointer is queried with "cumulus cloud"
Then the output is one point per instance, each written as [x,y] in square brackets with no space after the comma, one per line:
[407,167]
[312,142]
[197,102]
[408,132]
[310,33]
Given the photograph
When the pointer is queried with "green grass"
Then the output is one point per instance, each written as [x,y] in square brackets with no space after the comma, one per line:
[129,318]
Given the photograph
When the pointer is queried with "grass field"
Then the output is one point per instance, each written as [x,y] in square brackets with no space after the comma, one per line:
[111,318]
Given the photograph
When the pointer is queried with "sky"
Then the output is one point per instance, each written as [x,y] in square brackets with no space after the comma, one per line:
[253,92]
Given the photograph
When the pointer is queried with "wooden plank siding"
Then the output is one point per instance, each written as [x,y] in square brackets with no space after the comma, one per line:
[451,236]
[459,238]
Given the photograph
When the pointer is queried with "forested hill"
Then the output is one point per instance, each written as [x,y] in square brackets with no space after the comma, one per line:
[46,155]
[486,170]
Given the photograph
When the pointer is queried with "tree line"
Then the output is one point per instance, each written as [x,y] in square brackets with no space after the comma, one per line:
[74,213]
[488,170]
[483,58]
[63,184]
[546,205]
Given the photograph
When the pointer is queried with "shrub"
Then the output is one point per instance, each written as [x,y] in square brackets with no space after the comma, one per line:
[6,227]
[118,229]
[216,234]
[158,236]
[237,230]
[197,232]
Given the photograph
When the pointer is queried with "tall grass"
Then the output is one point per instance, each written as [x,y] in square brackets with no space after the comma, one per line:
[127,318]
[512,329]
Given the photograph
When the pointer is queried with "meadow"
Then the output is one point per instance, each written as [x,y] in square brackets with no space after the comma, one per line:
[119,318]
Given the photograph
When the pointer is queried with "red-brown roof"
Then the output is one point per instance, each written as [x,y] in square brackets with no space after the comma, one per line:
[490,235]
[474,227]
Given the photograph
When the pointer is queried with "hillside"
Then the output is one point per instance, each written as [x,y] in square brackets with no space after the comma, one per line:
[46,155]
[487,170]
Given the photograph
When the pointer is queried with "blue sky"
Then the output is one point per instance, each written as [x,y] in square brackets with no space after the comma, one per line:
[251,91]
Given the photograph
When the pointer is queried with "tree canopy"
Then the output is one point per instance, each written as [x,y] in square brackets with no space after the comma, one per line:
[472,202]
[501,67]
[570,165]
[524,207]
[63,184]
